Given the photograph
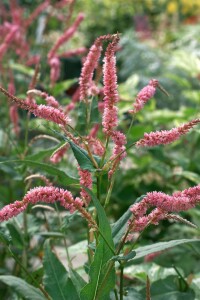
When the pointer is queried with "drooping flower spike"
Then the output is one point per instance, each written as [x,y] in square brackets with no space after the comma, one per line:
[42,111]
[145,95]
[90,65]
[46,194]
[165,204]
[164,137]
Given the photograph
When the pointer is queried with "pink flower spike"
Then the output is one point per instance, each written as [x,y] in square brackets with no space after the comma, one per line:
[144,95]
[66,36]
[85,180]
[90,65]
[166,136]
[110,119]
[12,210]
[54,63]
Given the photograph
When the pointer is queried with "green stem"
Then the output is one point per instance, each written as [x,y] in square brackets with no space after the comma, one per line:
[121,287]
[112,250]
[110,190]
[98,188]
[116,294]
[29,275]
[104,155]
[132,120]
[64,239]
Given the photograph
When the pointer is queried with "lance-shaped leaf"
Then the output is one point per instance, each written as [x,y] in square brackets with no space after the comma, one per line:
[24,289]
[56,279]
[119,227]
[143,251]
[103,254]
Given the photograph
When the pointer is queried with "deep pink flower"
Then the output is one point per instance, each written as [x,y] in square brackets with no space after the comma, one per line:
[166,136]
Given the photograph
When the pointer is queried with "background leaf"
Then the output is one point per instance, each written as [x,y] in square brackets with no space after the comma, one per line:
[56,280]
[24,289]
[102,255]
[143,251]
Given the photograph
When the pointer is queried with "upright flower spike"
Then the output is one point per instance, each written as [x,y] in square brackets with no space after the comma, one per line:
[90,65]
[110,119]
[65,36]
[164,137]
[144,95]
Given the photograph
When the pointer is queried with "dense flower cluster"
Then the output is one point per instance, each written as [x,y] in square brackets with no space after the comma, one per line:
[85,180]
[178,201]
[144,95]
[166,136]
[90,65]
[110,119]
[47,194]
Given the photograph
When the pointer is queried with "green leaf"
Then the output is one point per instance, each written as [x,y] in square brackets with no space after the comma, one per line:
[119,227]
[81,154]
[94,114]
[22,68]
[5,238]
[24,289]
[143,251]
[127,257]
[82,157]
[49,234]
[63,177]
[78,281]
[56,280]
[16,234]
[102,256]
[61,87]
[168,289]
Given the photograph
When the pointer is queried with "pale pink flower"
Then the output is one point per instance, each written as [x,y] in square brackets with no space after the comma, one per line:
[110,119]
[39,9]
[45,112]
[14,117]
[54,63]
[66,36]
[94,131]
[12,210]
[33,60]
[120,141]
[69,107]
[48,194]
[166,136]
[74,52]
[151,256]
[85,180]
[178,201]
[50,100]
[90,65]
[144,95]
[58,155]
[96,145]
